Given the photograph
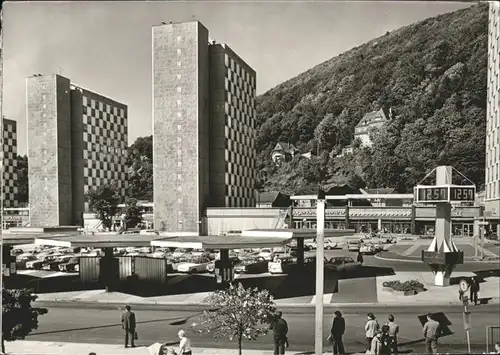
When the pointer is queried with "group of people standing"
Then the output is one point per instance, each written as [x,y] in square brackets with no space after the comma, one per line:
[382,340]
[379,340]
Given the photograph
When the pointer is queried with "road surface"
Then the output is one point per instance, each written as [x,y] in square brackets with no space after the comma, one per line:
[103,326]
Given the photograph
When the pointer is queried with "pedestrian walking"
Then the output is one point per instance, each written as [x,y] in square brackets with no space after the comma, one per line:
[280,331]
[184,343]
[360,258]
[431,334]
[474,290]
[393,334]
[371,329]
[129,326]
[337,332]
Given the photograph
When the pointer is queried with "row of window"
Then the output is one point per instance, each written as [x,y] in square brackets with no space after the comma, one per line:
[98,181]
[94,104]
[9,134]
[102,119]
[246,118]
[493,190]
[240,70]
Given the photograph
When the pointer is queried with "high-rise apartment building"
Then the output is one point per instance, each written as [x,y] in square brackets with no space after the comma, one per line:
[8,160]
[492,181]
[232,135]
[203,127]
[77,140]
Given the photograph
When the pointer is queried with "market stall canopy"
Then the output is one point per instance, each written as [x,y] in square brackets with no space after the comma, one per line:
[98,240]
[222,242]
[297,233]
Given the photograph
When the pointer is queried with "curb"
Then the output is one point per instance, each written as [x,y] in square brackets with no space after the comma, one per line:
[420,261]
[193,307]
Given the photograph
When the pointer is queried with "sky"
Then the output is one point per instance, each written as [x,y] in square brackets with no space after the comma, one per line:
[106,46]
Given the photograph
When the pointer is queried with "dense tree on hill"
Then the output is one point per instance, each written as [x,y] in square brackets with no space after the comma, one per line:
[432,75]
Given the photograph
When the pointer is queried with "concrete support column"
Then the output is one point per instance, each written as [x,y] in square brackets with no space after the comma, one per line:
[413,219]
[109,272]
[300,252]
[320,268]
[379,224]
[347,219]
[290,219]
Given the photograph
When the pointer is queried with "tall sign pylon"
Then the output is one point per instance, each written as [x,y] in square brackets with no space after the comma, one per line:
[443,255]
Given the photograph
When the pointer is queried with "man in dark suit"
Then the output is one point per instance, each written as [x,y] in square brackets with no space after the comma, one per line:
[337,331]
[128,325]
[474,289]
[280,330]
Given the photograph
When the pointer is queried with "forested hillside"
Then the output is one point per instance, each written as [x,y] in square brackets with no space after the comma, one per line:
[433,76]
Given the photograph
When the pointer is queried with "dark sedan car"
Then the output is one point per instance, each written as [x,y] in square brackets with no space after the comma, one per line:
[70,265]
[251,265]
[54,265]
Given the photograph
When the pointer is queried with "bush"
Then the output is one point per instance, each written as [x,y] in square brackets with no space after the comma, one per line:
[409,287]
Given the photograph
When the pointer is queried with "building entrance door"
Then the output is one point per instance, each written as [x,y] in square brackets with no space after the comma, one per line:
[468,230]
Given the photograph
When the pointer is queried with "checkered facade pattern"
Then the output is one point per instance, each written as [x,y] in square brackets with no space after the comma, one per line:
[105,140]
[77,141]
[9,163]
[239,109]
[492,180]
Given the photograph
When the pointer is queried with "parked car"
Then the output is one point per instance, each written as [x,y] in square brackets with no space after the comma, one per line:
[40,261]
[130,232]
[149,232]
[266,253]
[54,265]
[251,265]
[161,253]
[15,252]
[69,266]
[367,249]
[281,265]
[200,253]
[178,252]
[232,255]
[353,245]
[211,265]
[343,264]
[22,259]
[176,261]
[194,265]
[330,244]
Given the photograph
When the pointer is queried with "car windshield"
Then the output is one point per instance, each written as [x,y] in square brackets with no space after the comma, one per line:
[265,250]
[179,250]
[198,260]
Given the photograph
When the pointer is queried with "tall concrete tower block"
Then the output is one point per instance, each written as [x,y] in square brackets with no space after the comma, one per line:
[180,71]
[48,101]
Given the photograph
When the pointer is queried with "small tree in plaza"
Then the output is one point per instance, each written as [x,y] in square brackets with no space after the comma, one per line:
[238,313]
[19,318]
[103,201]
[133,214]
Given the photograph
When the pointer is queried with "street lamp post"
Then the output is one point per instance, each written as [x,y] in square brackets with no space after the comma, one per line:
[320,243]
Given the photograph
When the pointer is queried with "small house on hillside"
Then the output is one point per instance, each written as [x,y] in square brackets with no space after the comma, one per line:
[283,152]
[271,199]
[370,121]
